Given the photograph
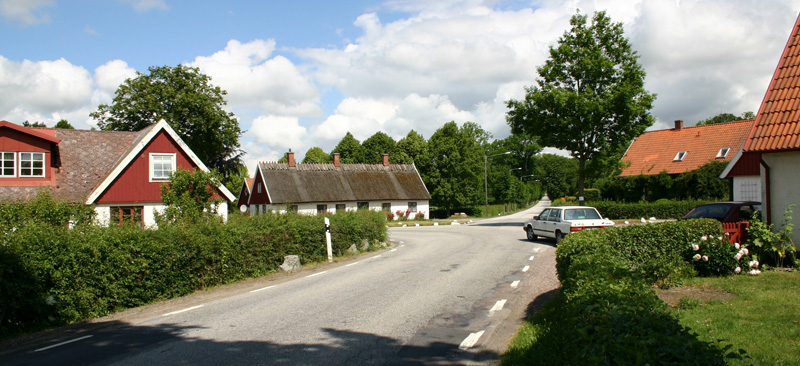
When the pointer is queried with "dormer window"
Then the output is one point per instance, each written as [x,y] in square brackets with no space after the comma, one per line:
[8,164]
[21,164]
[679,156]
[161,166]
[723,152]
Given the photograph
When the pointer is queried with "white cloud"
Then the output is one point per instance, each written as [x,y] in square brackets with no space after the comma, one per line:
[280,132]
[110,75]
[253,77]
[23,11]
[43,87]
[145,5]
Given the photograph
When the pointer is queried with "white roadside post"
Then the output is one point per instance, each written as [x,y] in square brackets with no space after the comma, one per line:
[328,239]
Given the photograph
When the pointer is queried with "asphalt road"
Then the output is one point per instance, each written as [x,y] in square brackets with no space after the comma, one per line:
[448,294]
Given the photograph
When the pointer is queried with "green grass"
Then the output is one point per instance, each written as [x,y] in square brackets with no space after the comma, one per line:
[763,318]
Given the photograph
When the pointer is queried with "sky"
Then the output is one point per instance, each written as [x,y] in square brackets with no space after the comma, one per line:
[301,74]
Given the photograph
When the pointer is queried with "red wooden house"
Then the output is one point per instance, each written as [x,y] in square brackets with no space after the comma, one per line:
[119,173]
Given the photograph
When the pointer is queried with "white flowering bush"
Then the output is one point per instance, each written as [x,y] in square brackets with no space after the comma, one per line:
[715,256]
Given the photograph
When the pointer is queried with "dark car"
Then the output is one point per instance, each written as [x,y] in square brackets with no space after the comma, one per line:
[733,211]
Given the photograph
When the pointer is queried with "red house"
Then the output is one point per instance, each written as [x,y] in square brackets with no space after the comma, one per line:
[119,173]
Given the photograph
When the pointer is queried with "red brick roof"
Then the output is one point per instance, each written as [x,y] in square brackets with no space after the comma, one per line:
[777,126]
[655,151]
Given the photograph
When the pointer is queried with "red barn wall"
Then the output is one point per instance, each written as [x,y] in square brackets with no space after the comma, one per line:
[15,141]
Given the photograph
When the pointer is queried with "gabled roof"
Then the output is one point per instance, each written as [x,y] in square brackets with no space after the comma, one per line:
[91,160]
[309,183]
[42,133]
[777,126]
[655,151]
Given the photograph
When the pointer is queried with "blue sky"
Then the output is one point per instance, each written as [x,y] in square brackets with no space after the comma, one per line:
[303,73]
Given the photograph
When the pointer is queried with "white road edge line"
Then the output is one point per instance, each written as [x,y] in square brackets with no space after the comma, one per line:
[530,258]
[393,250]
[351,264]
[316,274]
[262,289]
[515,284]
[498,305]
[471,340]
[63,343]
[526,268]
[181,311]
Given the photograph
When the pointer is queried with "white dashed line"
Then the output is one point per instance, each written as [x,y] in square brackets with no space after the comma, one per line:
[526,268]
[530,258]
[471,340]
[351,264]
[62,343]
[316,274]
[515,284]
[393,250]
[181,311]
[498,305]
[262,289]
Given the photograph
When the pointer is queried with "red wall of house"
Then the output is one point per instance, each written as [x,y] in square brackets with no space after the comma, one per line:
[255,197]
[15,141]
[133,184]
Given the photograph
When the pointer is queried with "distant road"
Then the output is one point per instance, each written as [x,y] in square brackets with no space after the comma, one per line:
[449,294]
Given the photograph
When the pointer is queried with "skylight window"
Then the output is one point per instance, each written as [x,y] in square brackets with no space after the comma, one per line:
[679,156]
[723,152]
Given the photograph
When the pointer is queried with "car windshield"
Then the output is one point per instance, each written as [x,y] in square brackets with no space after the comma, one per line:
[718,212]
[581,214]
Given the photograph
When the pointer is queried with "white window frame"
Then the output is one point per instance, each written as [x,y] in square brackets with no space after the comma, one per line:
[32,161]
[680,156]
[152,163]
[723,152]
[13,160]
[412,207]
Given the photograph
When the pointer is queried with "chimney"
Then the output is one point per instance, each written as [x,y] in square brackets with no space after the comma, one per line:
[678,124]
[385,159]
[290,158]
[336,161]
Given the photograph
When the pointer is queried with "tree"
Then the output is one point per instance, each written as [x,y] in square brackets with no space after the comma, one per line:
[558,175]
[412,149]
[186,99]
[316,155]
[726,117]
[375,146]
[34,124]
[589,98]
[188,196]
[349,149]
[64,124]
[455,173]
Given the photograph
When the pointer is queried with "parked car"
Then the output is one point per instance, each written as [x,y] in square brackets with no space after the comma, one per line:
[733,211]
[557,222]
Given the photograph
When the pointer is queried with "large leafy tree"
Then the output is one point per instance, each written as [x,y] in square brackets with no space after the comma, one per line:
[726,117]
[64,124]
[589,98]
[186,99]
[375,146]
[454,175]
[412,149]
[316,155]
[349,149]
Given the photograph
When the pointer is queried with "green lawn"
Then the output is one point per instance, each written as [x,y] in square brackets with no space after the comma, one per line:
[763,318]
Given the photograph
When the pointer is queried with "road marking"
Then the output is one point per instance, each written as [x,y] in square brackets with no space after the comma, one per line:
[515,284]
[536,250]
[471,340]
[63,343]
[377,256]
[530,258]
[351,264]
[181,311]
[498,305]
[393,250]
[316,274]
[526,268]
[262,289]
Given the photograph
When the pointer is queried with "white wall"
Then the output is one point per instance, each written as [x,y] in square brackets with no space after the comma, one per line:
[148,212]
[784,180]
[747,188]
[311,208]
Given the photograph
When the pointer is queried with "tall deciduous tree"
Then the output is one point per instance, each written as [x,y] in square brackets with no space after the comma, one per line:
[590,97]
[726,117]
[316,155]
[64,124]
[455,173]
[412,149]
[349,149]
[186,99]
[377,145]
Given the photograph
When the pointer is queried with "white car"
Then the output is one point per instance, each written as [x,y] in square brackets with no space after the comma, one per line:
[557,222]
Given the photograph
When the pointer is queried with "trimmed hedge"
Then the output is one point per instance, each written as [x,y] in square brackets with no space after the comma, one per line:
[661,209]
[607,312]
[50,275]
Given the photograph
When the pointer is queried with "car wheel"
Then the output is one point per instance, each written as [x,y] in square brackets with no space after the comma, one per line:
[531,235]
[559,237]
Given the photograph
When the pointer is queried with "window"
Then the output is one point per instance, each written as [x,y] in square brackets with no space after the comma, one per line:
[340,207]
[293,208]
[161,166]
[412,207]
[127,214]
[259,187]
[679,156]
[8,166]
[544,214]
[31,164]
[321,209]
[363,205]
[554,215]
[723,152]
[386,207]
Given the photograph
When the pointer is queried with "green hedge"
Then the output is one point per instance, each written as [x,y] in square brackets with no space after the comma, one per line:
[607,312]
[51,275]
[661,209]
